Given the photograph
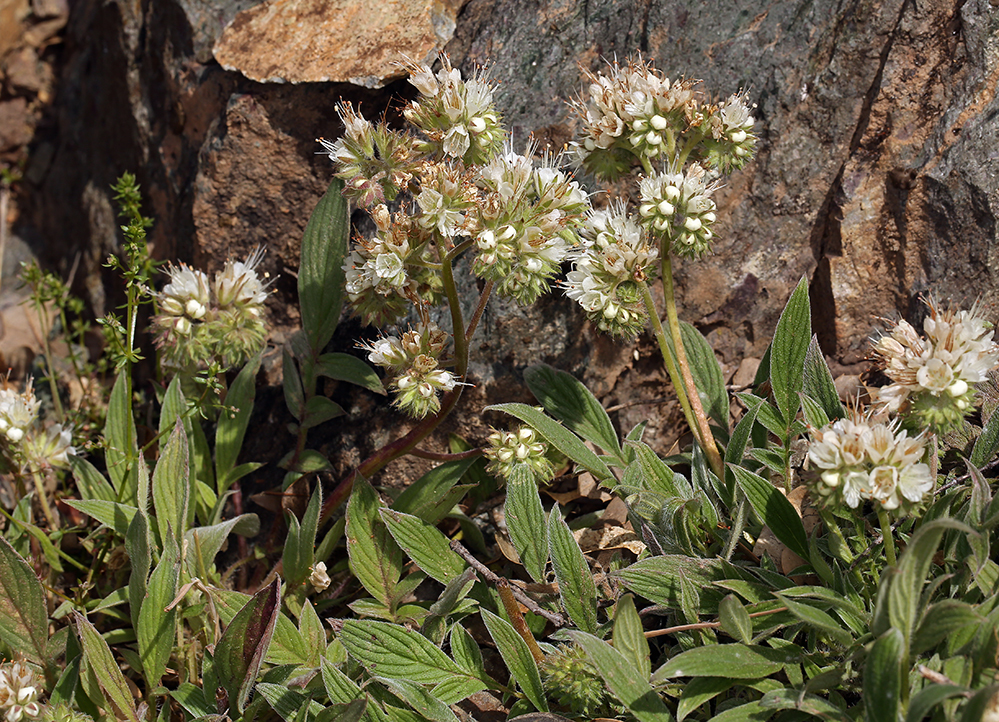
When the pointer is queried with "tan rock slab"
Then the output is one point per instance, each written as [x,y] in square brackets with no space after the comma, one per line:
[319,41]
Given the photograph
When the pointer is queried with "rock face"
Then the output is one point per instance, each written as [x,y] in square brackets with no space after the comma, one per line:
[877,177]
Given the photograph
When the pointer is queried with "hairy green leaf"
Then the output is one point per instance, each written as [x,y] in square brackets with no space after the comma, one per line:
[619,675]
[89,481]
[707,374]
[172,486]
[105,669]
[375,558]
[788,351]
[629,636]
[24,620]
[883,677]
[517,657]
[233,420]
[525,520]
[569,401]
[320,273]
[425,545]
[425,703]
[735,619]
[433,495]
[156,629]
[396,652]
[344,367]
[121,451]
[559,437]
[575,582]
[773,509]
[734,661]
[818,381]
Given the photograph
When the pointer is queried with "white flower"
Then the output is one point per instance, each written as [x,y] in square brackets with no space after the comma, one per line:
[239,284]
[318,578]
[187,293]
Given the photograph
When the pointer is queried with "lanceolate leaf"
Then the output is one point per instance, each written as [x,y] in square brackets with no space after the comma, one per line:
[629,636]
[375,559]
[634,691]
[735,661]
[121,452]
[525,520]
[774,510]
[883,677]
[344,367]
[575,582]
[788,350]
[818,381]
[172,486]
[425,545]
[106,670]
[433,495]
[708,378]
[233,421]
[558,436]
[397,652]
[24,621]
[241,649]
[137,545]
[517,657]
[569,401]
[156,630]
[320,274]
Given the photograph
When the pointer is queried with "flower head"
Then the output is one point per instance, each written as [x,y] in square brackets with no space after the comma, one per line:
[50,447]
[933,376]
[615,259]
[528,222]
[20,688]
[508,449]
[458,116]
[859,461]
[677,207]
[18,412]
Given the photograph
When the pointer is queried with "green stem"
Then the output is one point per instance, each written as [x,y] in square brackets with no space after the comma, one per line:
[36,476]
[889,539]
[674,375]
[707,439]
[738,525]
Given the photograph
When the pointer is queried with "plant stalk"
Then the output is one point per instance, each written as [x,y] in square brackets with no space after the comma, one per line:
[888,537]
[707,439]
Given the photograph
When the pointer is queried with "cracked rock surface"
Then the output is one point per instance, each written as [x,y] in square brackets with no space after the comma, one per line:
[877,178]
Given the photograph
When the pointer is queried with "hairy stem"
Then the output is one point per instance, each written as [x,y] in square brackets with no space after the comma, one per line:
[889,539]
[707,439]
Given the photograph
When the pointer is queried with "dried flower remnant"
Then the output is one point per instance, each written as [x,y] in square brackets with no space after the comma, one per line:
[933,376]
[863,461]
[318,577]
[523,447]
[615,258]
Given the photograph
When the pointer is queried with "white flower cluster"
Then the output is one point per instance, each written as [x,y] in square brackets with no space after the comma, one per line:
[677,207]
[385,273]
[508,449]
[18,411]
[19,692]
[932,377]
[862,461]
[634,112]
[528,220]
[615,259]
[222,319]
[413,362]
[458,116]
